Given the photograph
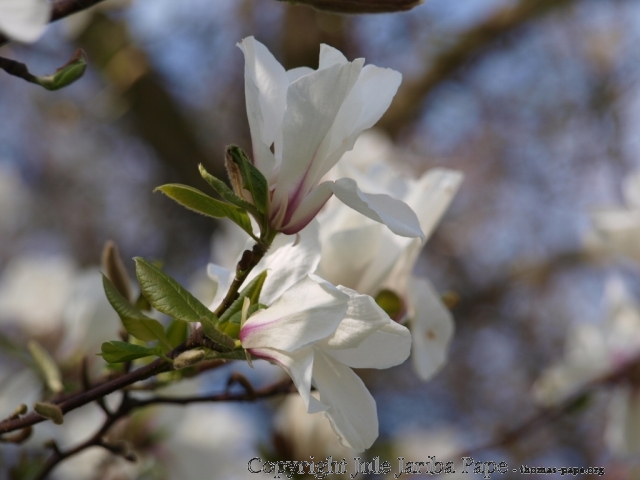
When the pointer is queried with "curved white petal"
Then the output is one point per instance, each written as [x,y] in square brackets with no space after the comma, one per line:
[299,366]
[330,56]
[395,214]
[431,195]
[296,73]
[24,20]
[313,101]
[348,253]
[431,328]
[266,84]
[223,279]
[308,209]
[290,259]
[362,319]
[352,409]
[304,314]
[386,347]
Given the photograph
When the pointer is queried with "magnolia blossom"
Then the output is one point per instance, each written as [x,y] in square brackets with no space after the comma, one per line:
[24,20]
[317,332]
[594,351]
[360,254]
[302,121]
[617,229]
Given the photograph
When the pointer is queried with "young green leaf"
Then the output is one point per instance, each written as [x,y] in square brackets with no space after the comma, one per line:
[114,269]
[50,411]
[47,366]
[177,332]
[168,296]
[253,180]
[225,192]
[200,202]
[221,341]
[237,317]
[134,321]
[118,352]
[252,291]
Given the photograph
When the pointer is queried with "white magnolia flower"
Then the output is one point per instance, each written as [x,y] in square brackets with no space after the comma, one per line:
[24,20]
[311,118]
[360,254]
[594,351]
[317,333]
[617,229]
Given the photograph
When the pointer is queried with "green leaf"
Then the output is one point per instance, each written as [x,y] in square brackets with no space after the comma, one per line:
[237,317]
[221,341]
[50,411]
[252,291]
[118,352]
[200,202]
[47,366]
[252,179]
[134,321]
[168,296]
[66,74]
[177,332]
[225,192]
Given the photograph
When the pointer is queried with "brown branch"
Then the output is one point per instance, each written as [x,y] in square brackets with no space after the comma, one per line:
[359,6]
[469,47]
[130,404]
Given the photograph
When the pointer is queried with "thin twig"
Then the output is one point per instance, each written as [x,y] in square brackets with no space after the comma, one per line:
[129,404]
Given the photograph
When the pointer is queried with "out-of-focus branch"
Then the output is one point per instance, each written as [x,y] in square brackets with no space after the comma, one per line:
[129,404]
[627,371]
[470,46]
[359,6]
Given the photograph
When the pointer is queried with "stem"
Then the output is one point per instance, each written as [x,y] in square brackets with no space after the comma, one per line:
[157,366]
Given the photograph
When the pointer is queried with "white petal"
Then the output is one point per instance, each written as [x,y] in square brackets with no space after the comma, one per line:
[308,209]
[386,347]
[313,101]
[631,190]
[363,317]
[299,366]
[290,259]
[330,56]
[266,84]
[304,314]
[369,98]
[431,195]
[623,427]
[346,254]
[352,409]
[431,328]
[223,279]
[296,73]
[24,20]
[395,214]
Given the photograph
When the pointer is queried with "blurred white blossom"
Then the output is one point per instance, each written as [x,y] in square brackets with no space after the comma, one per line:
[24,20]
[596,350]
[616,230]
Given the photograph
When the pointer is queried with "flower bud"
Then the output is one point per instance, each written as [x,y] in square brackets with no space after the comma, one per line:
[188,358]
[50,411]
